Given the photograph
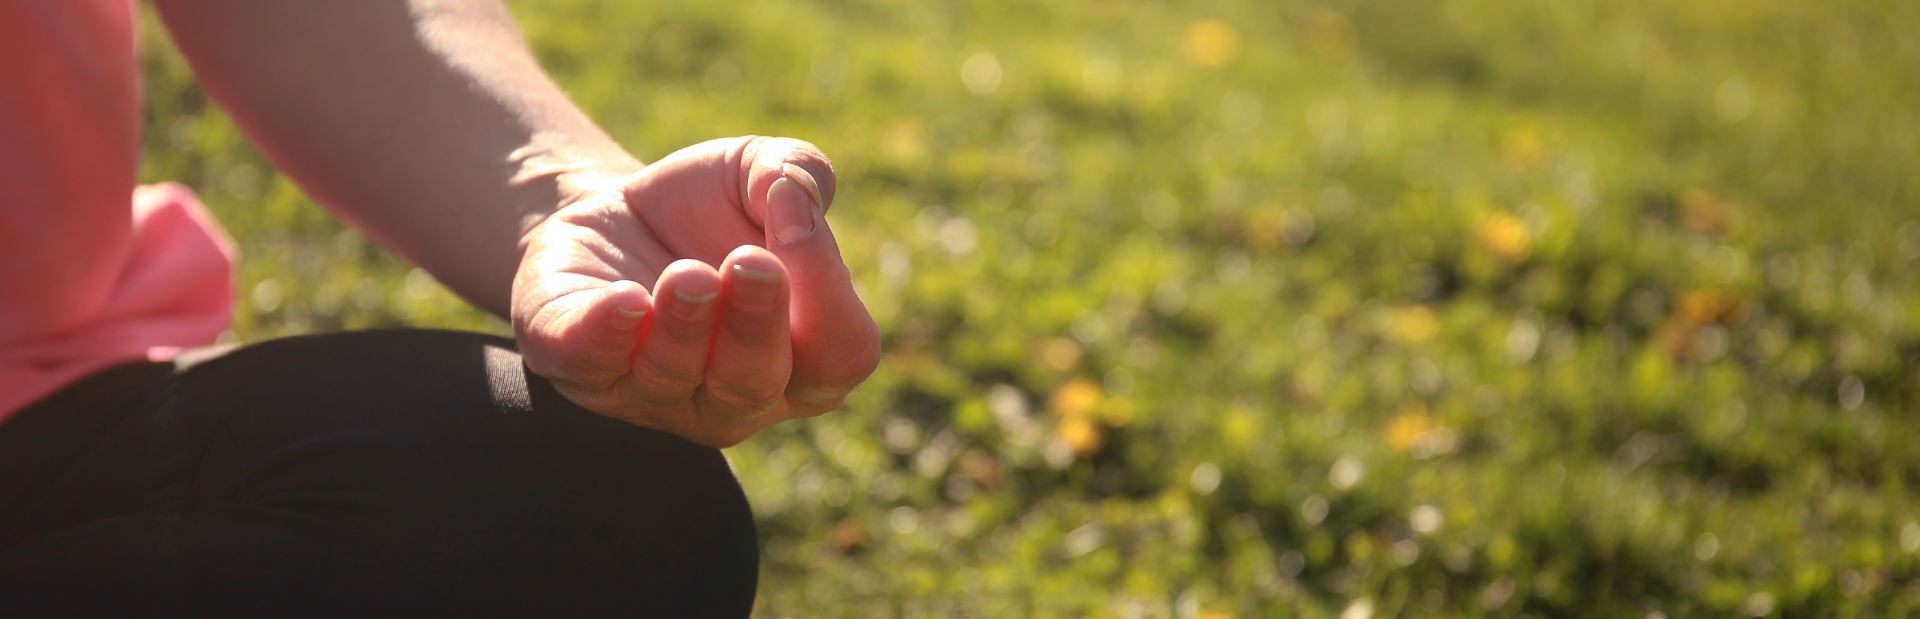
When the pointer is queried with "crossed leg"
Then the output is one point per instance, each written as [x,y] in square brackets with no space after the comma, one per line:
[370,473]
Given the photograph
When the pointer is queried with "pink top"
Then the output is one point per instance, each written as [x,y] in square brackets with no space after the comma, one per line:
[86,281]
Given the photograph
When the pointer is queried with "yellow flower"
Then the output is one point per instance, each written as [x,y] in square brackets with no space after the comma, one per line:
[1415,324]
[1077,398]
[1210,43]
[1505,236]
[1409,427]
[1081,434]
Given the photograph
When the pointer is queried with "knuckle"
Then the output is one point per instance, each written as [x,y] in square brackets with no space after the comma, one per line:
[817,402]
[562,366]
[581,364]
[685,331]
[863,365]
[595,400]
[750,397]
[544,365]
[857,366]
[827,388]
[667,381]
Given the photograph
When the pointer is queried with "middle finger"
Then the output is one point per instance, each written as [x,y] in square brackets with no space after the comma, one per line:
[671,363]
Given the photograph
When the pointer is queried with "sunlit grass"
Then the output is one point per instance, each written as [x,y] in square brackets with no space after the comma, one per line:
[1463,308]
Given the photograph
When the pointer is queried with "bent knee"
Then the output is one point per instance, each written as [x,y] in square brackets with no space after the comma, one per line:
[466,459]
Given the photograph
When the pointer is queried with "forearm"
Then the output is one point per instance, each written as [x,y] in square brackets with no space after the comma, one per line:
[427,124]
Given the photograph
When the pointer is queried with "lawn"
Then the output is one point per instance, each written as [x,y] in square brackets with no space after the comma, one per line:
[1271,309]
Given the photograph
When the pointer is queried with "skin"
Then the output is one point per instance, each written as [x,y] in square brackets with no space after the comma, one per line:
[703,295]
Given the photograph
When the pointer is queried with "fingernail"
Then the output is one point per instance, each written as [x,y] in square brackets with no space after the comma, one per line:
[624,318]
[805,178]
[695,298]
[692,306]
[755,290]
[792,211]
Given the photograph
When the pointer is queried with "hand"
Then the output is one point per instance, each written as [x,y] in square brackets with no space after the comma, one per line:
[713,356]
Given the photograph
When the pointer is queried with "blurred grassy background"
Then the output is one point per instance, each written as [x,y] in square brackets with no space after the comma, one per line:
[1249,309]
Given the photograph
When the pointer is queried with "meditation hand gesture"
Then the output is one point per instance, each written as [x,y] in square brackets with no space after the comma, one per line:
[712,355]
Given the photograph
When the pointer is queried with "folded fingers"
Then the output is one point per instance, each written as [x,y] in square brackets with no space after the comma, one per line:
[671,363]
[748,366]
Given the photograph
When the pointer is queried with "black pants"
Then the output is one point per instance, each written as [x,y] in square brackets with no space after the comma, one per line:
[395,473]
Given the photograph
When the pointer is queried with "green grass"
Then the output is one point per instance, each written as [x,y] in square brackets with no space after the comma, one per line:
[1457,308]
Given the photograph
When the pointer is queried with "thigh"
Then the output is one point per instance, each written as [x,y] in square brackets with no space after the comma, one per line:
[76,456]
[422,471]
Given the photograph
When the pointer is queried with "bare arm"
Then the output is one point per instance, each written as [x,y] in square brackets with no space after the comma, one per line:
[426,124]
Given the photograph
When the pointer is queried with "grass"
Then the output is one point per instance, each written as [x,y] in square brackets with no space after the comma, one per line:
[1249,309]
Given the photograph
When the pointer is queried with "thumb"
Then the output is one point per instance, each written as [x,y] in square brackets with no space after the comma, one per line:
[836,344]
